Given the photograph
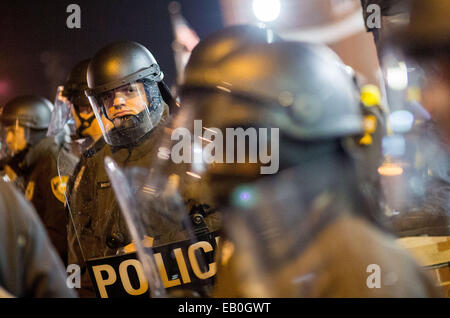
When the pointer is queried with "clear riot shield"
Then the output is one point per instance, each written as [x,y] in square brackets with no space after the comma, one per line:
[415,172]
[169,237]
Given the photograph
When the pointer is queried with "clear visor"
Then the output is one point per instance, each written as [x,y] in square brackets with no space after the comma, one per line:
[62,117]
[128,112]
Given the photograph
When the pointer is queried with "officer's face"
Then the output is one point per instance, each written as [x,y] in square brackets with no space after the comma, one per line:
[16,138]
[126,100]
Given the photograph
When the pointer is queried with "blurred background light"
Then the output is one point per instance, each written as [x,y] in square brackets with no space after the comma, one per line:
[244,197]
[266,10]
[401,121]
[397,76]
[390,170]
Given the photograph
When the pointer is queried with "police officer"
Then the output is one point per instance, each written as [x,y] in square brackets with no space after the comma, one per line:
[130,102]
[32,162]
[29,264]
[73,121]
[73,108]
[306,231]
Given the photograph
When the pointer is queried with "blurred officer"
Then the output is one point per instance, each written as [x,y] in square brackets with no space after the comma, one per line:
[130,102]
[72,107]
[307,231]
[29,264]
[73,121]
[32,162]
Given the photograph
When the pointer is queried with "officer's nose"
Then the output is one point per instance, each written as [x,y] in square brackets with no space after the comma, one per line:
[119,100]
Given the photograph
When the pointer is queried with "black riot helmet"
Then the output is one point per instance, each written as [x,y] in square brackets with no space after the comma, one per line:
[28,111]
[126,91]
[221,43]
[304,89]
[24,122]
[76,84]
[72,106]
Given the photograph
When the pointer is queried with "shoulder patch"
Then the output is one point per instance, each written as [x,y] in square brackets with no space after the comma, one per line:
[29,191]
[59,186]
[10,173]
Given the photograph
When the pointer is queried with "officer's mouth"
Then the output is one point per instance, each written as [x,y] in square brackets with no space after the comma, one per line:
[123,114]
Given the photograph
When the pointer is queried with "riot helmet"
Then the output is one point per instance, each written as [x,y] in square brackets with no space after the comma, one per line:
[25,120]
[125,83]
[72,107]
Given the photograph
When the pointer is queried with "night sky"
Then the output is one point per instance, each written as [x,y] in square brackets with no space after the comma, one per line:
[37,50]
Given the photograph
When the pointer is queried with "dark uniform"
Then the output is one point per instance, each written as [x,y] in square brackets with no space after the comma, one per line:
[132,133]
[35,167]
[39,174]
[29,264]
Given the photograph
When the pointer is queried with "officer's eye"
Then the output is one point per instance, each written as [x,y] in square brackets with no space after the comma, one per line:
[108,96]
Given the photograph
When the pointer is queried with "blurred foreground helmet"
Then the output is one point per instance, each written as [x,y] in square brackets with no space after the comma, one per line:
[221,43]
[24,122]
[303,89]
[126,91]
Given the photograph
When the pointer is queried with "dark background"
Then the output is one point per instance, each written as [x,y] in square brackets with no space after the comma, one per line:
[37,50]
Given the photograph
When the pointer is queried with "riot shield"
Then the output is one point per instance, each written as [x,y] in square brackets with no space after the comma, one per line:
[173,244]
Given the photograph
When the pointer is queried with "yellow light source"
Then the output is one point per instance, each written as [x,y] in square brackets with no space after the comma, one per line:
[370,95]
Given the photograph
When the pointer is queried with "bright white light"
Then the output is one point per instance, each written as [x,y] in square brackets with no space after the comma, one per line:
[397,76]
[266,10]
[401,121]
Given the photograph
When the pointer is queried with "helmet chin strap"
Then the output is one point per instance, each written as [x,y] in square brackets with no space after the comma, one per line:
[84,123]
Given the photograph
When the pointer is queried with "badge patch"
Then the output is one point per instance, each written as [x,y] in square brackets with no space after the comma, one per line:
[103,185]
[59,185]
[10,173]
[29,191]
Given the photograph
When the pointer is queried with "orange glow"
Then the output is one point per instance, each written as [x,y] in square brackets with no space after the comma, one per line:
[390,170]
[113,66]
[193,175]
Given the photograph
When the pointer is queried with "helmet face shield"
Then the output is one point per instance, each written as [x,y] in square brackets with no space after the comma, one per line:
[61,115]
[128,112]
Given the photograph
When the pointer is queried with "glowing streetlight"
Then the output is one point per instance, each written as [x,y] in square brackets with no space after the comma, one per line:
[266,10]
